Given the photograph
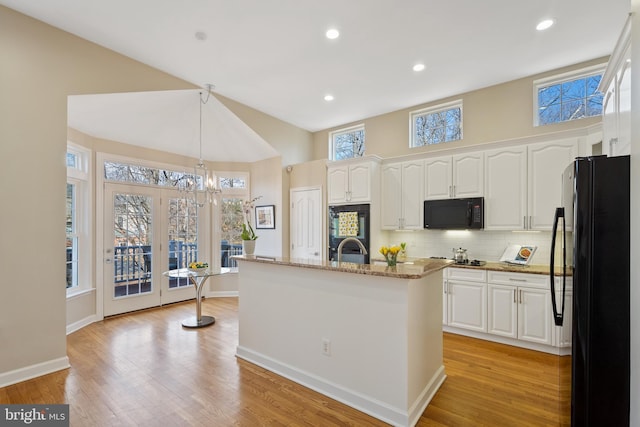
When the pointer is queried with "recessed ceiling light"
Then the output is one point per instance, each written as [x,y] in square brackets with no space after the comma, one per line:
[543,25]
[332,33]
[328,97]
[418,67]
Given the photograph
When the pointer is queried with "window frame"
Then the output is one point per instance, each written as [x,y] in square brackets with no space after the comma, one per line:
[241,193]
[559,79]
[79,177]
[343,131]
[458,103]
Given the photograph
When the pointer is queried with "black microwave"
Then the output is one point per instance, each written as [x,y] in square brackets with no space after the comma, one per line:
[454,214]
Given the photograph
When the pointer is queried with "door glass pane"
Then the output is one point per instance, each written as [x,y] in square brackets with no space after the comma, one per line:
[183,237]
[132,244]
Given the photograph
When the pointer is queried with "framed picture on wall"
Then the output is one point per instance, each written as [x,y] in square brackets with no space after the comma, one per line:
[265,216]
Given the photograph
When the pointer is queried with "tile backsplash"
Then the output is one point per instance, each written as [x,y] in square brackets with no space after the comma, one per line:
[480,244]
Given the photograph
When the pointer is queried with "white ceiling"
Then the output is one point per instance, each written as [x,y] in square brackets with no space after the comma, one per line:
[272,55]
[169,121]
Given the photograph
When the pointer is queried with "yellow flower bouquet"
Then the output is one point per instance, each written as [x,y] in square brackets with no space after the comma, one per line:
[390,254]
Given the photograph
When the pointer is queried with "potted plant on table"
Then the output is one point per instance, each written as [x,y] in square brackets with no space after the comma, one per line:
[248,235]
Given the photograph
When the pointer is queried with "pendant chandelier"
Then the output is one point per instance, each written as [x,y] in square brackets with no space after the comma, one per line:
[202,185]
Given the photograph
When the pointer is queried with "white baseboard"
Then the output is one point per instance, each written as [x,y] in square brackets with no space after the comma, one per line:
[221,294]
[33,371]
[76,326]
[375,408]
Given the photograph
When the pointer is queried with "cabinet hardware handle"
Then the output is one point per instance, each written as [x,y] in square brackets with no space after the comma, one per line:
[520,296]
[444,287]
[515,301]
[512,279]
[529,222]
[450,193]
[524,221]
[454,191]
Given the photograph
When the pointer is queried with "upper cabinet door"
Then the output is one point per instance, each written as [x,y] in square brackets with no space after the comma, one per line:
[468,174]
[391,207]
[437,178]
[412,195]
[505,193]
[360,183]
[337,184]
[547,162]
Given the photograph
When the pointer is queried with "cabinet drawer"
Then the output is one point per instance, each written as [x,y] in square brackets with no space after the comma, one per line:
[467,274]
[519,279]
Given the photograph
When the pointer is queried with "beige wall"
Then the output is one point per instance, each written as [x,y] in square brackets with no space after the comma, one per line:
[496,113]
[41,66]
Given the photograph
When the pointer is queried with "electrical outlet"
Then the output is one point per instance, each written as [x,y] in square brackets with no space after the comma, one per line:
[326,346]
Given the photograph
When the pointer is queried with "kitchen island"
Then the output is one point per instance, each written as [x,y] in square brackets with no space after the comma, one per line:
[369,336]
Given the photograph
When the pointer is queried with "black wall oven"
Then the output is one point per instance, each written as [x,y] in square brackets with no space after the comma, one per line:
[349,221]
[454,214]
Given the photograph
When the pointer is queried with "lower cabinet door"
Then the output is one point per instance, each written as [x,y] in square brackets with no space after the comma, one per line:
[502,310]
[467,304]
[534,315]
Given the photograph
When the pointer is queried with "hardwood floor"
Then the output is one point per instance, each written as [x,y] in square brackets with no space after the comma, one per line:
[144,369]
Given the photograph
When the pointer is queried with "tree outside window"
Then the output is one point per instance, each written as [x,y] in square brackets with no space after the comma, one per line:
[347,143]
[435,125]
[568,97]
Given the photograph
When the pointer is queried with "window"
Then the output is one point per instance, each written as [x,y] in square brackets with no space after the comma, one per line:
[346,143]
[77,211]
[568,96]
[235,191]
[435,125]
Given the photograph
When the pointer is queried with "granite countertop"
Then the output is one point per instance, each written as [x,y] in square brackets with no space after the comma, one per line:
[402,271]
[497,266]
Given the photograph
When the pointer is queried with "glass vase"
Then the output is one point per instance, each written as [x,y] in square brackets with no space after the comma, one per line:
[392,260]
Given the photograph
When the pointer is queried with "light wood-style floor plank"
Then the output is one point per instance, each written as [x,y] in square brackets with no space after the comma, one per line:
[144,369]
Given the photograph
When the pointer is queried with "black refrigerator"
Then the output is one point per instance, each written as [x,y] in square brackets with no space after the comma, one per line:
[595,227]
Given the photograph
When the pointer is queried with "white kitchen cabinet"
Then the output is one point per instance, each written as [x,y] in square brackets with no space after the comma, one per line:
[466,292]
[351,181]
[616,107]
[520,307]
[445,315]
[402,195]
[534,315]
[546,163]
[505,194]
[454,176]
[502,310]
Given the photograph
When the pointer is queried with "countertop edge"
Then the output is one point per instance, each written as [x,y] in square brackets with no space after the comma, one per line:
[401,271]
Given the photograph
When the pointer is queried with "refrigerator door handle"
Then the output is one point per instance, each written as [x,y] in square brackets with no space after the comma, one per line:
[558,317]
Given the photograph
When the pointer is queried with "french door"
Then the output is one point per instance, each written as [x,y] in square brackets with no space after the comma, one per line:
[146,231]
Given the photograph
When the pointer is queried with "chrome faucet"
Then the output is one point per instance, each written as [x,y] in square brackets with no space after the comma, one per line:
[363,250]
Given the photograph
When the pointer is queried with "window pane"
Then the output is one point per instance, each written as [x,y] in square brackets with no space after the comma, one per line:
[550,114]
[574,90]
[569,100]
[572,110]
[437,126]
[72,240]
[231,229]
[549,95]
[233,183]
[72,161]
[346,145]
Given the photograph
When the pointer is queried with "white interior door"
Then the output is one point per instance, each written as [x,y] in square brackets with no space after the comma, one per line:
[306,224]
